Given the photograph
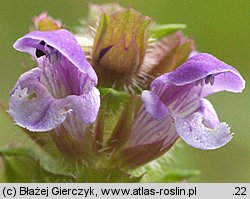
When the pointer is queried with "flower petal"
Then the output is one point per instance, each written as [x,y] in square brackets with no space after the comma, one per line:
[210,118]
[182,92]
[149,139]
[61,40]
[86,106]
[154,105]
[147,130]
[203,129]
[193,131]
[34,108]
[198,68]
[63,79]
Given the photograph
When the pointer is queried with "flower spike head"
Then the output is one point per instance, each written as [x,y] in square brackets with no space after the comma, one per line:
[120,44]
[180,95]
[61,90]
[44,22]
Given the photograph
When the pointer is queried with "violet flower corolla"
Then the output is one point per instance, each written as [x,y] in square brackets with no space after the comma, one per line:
[176,106]
[60,91]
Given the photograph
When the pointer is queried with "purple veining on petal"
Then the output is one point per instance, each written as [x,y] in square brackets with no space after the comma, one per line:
[178,89]
[146,130]
[42,112]
[182,92]
[60,90]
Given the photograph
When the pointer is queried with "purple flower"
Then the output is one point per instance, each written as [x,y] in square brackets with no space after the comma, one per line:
[61,90]
[176,106]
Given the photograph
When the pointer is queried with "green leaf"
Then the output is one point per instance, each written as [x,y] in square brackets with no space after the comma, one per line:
[114,97]
[113,92]
[159,31]
[160,170]
[122,129]
[43,175]
[114,101]
[42,167]
[15,169]
[104,175]
[7,151]
[174,175]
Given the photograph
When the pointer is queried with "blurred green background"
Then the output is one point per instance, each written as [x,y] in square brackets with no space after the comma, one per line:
[221,28]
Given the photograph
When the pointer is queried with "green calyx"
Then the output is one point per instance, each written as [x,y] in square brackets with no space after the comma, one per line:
[120,44]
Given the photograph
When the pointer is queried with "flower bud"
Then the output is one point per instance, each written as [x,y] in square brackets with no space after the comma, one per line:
[94,12]
[44,22]
[119,45]
[167,54]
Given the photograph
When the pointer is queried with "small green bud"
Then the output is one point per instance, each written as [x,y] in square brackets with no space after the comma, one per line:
[119,45]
